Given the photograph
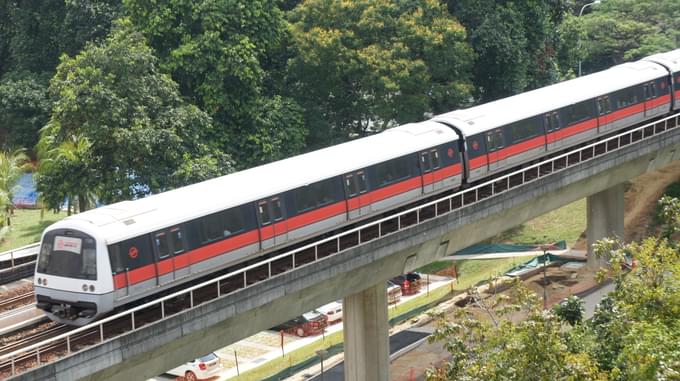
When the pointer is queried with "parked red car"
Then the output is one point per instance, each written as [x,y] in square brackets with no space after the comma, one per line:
[409,283]
[310,323]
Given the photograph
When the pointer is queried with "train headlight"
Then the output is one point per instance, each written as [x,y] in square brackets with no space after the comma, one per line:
[39,281]
[91,288]
[44,282]
[84,287]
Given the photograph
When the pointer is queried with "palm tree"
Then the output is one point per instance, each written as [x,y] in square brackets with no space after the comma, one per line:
[13,164]
[68,162]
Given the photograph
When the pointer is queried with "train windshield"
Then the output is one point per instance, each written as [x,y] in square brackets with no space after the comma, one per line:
[68,253]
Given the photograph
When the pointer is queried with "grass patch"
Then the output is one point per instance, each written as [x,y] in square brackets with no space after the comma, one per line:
[279,365]
[566,223]
[27,226]
[473,271]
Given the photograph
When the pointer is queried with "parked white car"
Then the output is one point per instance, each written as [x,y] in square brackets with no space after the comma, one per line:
[333,312]
[203,367]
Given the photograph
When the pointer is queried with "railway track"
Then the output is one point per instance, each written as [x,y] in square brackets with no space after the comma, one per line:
[18,300]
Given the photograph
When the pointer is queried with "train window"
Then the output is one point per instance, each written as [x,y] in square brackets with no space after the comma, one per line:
[652,88]
[263,209]
[161,242]
[627,97]
[350,186]
[315,195]
[490,141]
[425,162]
[603,105]
[233,222]
[305,198]
[177,242]
[579,112]
[494,140]
[114,256]
[211,228]
[434,157]
[552,121]
[276,209]
[523,130]
[392,171]
[361,181]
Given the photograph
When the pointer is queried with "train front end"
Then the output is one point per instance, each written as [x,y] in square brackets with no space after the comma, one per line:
[70,280]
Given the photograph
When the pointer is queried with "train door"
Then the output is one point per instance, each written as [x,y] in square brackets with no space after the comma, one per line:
[356,191]
[273,230]
[494,142]
[180,258]
[169,248]
[429,163]
[551,123]
[649,90]
[603,109]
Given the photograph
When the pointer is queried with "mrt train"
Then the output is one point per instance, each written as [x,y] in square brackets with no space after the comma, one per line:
[94,262]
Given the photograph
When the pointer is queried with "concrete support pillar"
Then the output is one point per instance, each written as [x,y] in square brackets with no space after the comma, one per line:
[366,333]
[605,219]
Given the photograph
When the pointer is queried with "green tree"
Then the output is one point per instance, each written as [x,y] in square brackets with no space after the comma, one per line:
[33,34]
[366,65]
[65,171]
[516,43]
[13,164]
[530,350]
[571,310]
[130,131]
[218,52]
[617,31]
[24,108]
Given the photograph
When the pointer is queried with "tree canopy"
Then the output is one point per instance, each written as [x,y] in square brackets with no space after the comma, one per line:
[217,51]
[366,65]
[633,335]
[617,31]
[128,130]
[516,43]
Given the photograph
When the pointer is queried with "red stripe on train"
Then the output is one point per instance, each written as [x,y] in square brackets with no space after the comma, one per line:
[316,215]
[396,189]
[182,260]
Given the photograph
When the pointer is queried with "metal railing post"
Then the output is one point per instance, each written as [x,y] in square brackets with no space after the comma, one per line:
[163,308]
[132,315]
[191,299]
[101,333]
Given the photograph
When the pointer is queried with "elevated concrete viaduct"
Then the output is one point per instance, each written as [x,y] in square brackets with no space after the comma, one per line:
[358,275]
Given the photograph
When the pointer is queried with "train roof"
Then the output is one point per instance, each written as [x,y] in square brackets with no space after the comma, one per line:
[129,218]
[491,115]
[670,59]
